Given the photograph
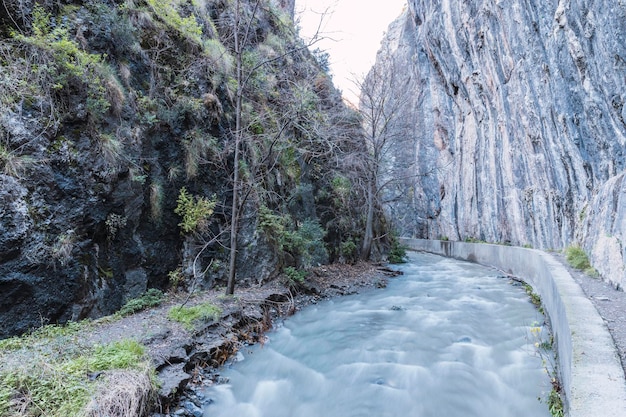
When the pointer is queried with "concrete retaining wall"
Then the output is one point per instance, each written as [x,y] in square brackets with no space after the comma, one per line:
[591,374]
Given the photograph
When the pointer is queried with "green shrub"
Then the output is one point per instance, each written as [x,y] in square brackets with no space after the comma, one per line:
[274,226]
[188,315]
[195,212]
[306,242]
[295,277]
[348,250]
[397,252]
[577,258]
[219,56]
[176,278]
[151,298]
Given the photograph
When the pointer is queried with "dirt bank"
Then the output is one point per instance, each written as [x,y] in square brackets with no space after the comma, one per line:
[186,359]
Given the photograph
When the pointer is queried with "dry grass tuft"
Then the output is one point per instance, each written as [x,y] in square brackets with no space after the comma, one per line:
[110,148]
[123,394]
[115,94]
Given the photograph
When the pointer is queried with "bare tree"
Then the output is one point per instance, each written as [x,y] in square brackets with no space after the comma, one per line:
[382,98]
[240,38]
[242,188]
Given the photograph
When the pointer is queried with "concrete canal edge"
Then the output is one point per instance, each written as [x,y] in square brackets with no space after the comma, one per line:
[591,375]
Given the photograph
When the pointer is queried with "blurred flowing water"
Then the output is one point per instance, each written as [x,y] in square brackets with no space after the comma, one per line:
[446,339]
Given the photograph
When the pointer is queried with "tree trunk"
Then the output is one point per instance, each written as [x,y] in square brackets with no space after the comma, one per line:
[234,216]
[366,249]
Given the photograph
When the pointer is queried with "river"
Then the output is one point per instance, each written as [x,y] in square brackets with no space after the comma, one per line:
[446,339]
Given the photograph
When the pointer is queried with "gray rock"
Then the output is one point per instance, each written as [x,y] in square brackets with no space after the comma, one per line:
[173,379]
[14,219]
[514,125]
[605,231]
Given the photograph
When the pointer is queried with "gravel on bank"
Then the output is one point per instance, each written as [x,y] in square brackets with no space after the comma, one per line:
[608,301]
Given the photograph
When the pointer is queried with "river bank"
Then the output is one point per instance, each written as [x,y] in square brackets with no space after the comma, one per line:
[49,367]
[188,361]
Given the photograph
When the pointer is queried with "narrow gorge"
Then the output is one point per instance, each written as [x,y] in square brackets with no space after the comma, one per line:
[177,177]
[511,125]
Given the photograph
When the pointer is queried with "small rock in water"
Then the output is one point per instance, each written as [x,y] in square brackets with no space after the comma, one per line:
[193,409]
[396,308]
[222,380]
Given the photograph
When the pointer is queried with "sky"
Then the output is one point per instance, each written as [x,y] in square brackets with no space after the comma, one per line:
[352,30]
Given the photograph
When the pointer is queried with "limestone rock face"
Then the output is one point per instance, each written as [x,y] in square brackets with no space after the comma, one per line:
[605,230]
[517,123]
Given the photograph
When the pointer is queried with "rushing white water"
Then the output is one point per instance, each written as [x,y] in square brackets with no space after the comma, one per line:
[446,339]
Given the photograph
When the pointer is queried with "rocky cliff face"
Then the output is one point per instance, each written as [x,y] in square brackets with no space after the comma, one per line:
[114,111]
[517,124]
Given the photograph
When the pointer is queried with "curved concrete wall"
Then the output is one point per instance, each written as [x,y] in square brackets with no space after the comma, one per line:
[591,374]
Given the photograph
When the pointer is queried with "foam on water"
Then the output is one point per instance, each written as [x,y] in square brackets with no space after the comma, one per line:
[447,339]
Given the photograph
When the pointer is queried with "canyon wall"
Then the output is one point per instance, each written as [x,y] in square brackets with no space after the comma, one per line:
[514,125]
[117,138]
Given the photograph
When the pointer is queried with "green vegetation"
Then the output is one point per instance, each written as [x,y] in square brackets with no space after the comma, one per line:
[188,315]
[349,250]
[114,223]
[176,278]
[534,297]
[187,26]
[544,348]
[62,248]
[151,298]
[578,259]
[305,242]
[56,376]
[43,334]
[397,252]
[195,212]
[295,277]
[474,240]
[555,403]
[58,62]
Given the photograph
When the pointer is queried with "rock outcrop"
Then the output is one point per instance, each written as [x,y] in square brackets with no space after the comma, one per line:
[115,113]
[516,123]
